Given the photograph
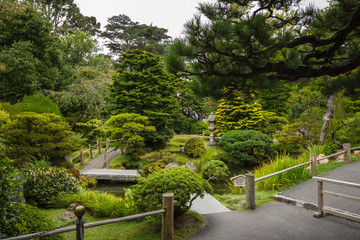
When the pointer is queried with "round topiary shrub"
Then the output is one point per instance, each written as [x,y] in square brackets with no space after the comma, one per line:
[215,170]
[247,146]
[184,183]
[41,184]
[194,147]
[28,220]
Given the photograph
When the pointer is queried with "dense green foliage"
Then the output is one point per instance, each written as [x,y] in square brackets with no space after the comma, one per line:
[99,204]
[235,114]
[247,146]
[29,220]
[41,184]
[194,147]
[141,86]
[38,103]
[215,170]
[129,128]
[9,193]
[37,135]
[155,161]
[180,181]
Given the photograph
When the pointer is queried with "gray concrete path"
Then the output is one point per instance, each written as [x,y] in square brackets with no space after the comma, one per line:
[98,162]
[208,205]
[306,193]
[278,220]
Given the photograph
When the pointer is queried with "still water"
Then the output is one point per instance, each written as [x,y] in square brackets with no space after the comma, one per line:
[116,188]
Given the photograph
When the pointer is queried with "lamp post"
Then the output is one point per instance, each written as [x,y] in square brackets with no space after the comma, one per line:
[211,120]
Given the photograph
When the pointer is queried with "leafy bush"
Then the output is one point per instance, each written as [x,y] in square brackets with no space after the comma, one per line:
[99,204]
[29,220]
[37,135]
[85,180]
[247,146]
[180,181]
[186,125]
[4,117]
[194,147]
[150,168]
[162,156]
[215,170]
[41,184]
[38,103]
[9,185]
[281,162]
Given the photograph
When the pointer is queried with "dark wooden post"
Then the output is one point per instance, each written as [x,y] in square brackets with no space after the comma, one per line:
[107,143]
[320,212]
[313,163]
[90,152]
[250,191]
[99,146]
[347,154]
[105,152]
[167,231]
[82,156]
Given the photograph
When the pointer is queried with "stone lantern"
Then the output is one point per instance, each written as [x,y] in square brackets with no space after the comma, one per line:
[211,121]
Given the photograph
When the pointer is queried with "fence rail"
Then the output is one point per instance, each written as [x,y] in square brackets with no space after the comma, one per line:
[250,194]
[323,210]
[167,231]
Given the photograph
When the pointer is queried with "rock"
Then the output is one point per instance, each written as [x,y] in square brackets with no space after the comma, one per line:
[340,157]
[190,165]
[324,161]
[72,206]
[357,153]
[173,164]
[66,216]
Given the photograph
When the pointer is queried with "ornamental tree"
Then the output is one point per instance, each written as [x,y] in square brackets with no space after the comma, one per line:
[130,129]
[141,86]
[235,114]
[247,44]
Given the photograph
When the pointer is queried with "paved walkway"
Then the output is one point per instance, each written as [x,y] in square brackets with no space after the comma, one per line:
[278,220]
[208,205]
[98,162]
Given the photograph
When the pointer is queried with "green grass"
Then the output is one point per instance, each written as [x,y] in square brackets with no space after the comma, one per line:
[119,161]
[148,229]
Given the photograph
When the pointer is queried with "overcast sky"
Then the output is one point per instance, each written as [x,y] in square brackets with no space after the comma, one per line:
[168,14]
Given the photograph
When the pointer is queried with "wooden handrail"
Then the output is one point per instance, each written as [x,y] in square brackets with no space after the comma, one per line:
[332,155]
[338,182]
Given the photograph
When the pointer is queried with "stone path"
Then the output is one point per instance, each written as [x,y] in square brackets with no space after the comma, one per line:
[98,162]
[112,174]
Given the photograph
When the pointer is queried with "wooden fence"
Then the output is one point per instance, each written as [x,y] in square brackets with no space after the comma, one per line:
[98,145]
[167,230]
[323,210]
[249,180]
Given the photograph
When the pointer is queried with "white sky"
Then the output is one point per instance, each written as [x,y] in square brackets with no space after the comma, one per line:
[168,14]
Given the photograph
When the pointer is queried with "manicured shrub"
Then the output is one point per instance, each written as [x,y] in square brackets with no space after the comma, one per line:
[183,182]
[99,204]
[85,180]
[155,161]
[247,146]
[150,168]
[194,147]
[215,170]
[41,184]
[29,220]
[38,103]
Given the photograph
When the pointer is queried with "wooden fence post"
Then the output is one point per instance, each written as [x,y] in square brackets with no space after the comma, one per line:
[107,143]
[167,231]
[250,191]
[313,163]
[82,156]
[347,154]
[69,160]
[105,152]
[90,151]
[99,146]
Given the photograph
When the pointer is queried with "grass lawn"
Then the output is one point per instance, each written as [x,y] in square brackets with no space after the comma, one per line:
[147,229]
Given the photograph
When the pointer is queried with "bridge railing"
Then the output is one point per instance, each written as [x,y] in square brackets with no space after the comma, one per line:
[323,210]
[167,230]
[98,146]
[249,180]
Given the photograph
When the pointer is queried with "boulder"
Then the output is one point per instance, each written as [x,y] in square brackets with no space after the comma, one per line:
[190,165]
[324,161]
[72,206]
[173,164]
[357,153]
[67,216]
[340,158]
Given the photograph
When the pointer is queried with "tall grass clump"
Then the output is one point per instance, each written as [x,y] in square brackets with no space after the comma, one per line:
[317,149]
[99,204]
[289,178]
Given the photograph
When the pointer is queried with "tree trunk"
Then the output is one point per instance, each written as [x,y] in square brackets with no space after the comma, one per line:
[330,110]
